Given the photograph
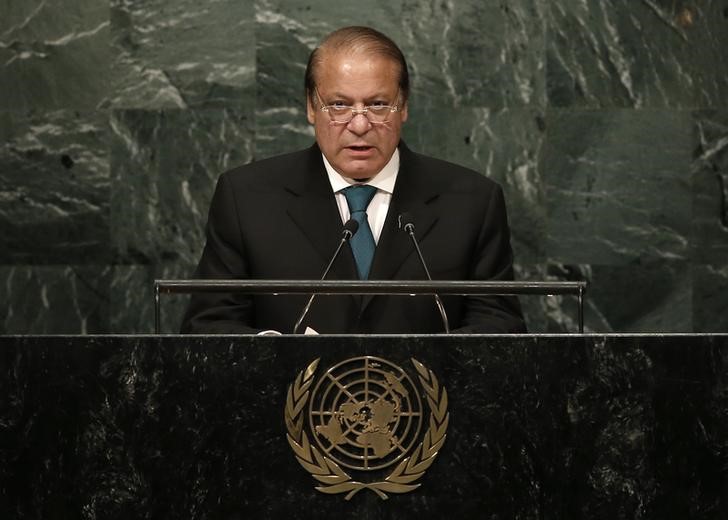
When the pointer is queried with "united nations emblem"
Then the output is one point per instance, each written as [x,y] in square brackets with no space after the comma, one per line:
[364,416]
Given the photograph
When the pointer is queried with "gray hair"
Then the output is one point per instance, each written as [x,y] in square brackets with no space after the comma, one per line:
[357,39]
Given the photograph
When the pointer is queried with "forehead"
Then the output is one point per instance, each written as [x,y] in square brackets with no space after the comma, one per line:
[358,73]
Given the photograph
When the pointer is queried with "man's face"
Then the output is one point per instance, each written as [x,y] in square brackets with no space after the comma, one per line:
[358,149]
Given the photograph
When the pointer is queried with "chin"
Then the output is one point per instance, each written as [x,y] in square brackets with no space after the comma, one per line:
[364,174]
[361,171]
[357,175]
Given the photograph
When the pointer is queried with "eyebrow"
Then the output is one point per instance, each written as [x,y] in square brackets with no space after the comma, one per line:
[376,96]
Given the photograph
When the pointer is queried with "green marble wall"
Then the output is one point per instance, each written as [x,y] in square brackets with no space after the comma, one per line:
[606,122]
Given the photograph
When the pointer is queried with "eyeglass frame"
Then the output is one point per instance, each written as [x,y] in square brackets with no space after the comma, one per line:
[354,111]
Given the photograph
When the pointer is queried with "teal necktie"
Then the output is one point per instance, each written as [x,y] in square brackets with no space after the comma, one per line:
[362,243]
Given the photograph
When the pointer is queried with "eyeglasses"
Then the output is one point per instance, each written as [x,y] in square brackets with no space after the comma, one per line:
[343,114]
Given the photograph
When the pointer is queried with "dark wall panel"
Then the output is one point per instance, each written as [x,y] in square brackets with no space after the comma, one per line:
[605,122]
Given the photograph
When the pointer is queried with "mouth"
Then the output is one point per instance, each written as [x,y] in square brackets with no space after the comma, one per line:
[360,151]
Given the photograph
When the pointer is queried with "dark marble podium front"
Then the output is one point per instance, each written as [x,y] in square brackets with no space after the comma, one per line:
[541,427]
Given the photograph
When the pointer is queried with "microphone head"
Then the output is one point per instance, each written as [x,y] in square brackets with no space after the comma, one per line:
[405,221]
[350,228]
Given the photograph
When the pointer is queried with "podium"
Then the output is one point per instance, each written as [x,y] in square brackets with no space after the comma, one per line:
[552,426]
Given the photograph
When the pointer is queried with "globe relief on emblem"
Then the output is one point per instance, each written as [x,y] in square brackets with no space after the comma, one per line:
[365,414]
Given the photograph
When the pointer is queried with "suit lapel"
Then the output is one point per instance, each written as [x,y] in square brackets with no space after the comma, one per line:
[414,193]
[314,211]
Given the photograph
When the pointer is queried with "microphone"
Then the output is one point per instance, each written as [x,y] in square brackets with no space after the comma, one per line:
[405,222]
[350,228]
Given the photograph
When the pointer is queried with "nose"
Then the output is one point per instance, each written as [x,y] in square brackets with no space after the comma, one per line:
[359,124]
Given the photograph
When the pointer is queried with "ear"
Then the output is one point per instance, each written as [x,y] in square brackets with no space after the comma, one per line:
[403,112]
[310,110]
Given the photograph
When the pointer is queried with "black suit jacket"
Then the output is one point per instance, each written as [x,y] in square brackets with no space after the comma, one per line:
[277,219]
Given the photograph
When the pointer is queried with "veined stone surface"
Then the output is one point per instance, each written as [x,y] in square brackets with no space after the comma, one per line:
[132,305]
[602,427]
[54,188]
[182,54]
[710,186]
[54,54]
[710,220]
[605,123]
[641,54]
[69,299]
[164,168]
[614,188]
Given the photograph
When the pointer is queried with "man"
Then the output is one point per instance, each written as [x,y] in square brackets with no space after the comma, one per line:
[282,218]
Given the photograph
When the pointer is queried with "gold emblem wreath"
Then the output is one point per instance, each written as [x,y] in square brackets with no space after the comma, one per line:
[333,478]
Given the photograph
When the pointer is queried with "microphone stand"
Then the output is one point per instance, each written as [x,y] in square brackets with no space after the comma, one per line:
[350,228]
[409,227]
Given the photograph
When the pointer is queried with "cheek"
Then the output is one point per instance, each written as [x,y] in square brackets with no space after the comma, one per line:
[327,136]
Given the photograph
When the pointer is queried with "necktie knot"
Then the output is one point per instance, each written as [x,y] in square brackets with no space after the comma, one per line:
[359,196]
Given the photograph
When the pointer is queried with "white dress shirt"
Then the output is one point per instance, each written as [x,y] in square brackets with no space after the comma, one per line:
[378,207]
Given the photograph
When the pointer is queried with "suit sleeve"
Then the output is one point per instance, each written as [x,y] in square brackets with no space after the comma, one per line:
[493,260]
[222,258]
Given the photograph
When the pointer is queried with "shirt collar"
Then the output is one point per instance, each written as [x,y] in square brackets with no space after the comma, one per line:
[383,181]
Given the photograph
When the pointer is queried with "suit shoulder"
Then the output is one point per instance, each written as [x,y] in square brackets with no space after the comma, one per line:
[457,177]
[271,171]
